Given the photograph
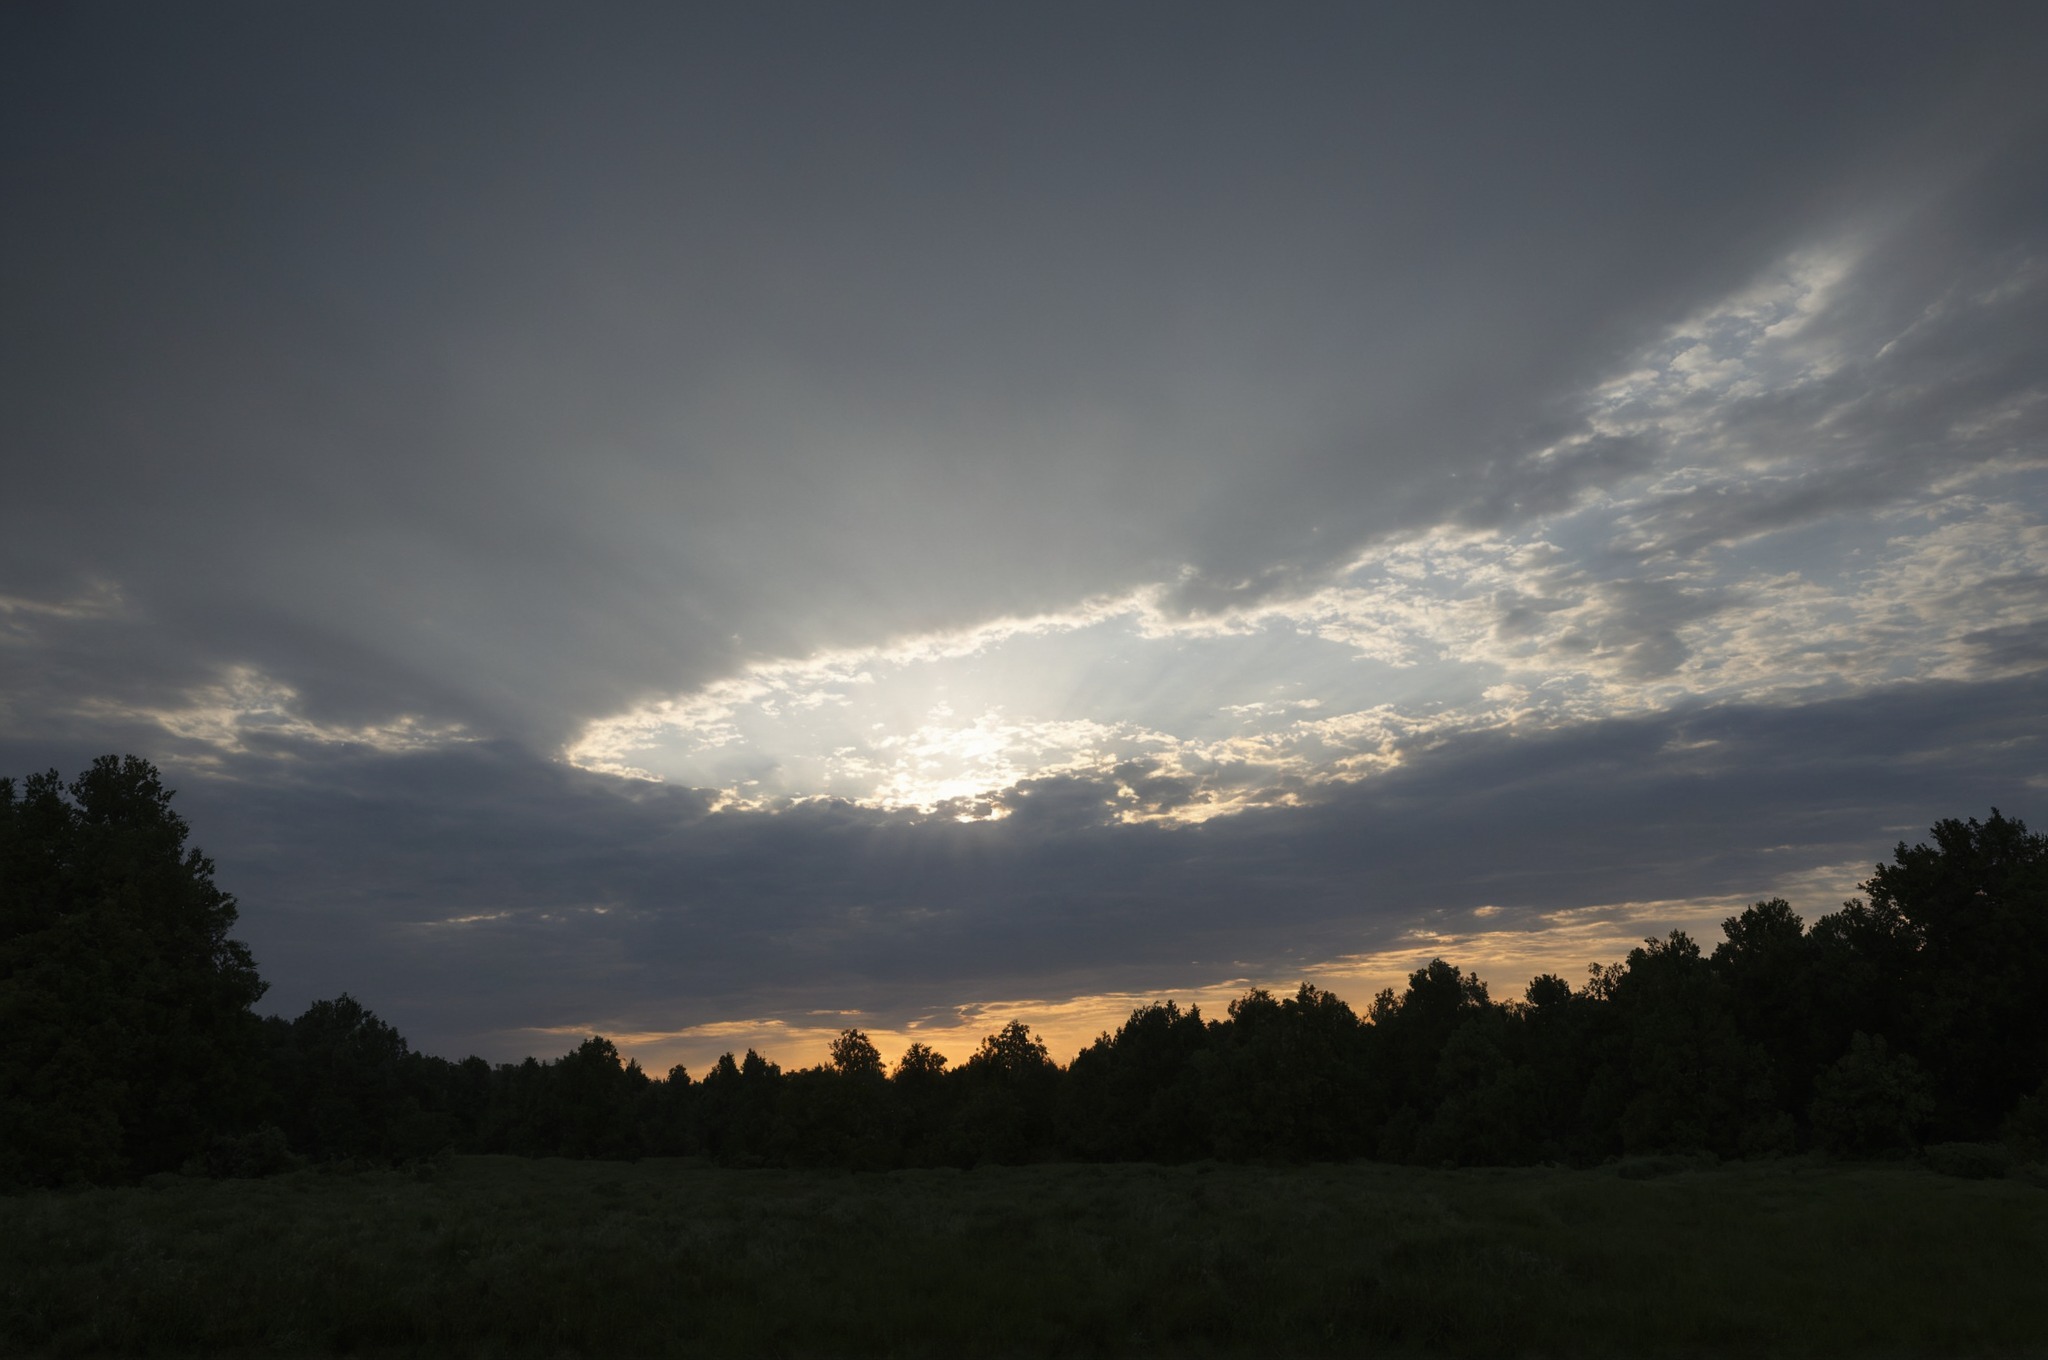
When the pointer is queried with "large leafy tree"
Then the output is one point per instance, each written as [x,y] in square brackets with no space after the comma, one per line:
[1138,1093]
[1291,1082]
[1010,1085]
[126,1035]
[1962,926]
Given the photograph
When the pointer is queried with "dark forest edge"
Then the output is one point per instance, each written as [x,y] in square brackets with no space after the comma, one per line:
[1909,1021]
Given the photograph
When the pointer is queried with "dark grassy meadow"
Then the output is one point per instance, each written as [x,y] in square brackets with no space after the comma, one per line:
[507,1256]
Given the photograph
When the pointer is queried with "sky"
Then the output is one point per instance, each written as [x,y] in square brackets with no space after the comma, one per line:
[715,524]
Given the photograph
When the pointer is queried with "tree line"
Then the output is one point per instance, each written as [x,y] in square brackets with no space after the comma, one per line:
[129,1043]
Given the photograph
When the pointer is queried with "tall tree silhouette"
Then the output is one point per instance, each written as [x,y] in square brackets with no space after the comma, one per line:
[1138,1093]
[1011,1086]
[1965,927]
[126,1038]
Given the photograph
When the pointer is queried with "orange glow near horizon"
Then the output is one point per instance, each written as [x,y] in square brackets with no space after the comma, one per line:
[1562,943]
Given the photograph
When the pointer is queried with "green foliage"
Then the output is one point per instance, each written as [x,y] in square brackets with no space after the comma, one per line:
[266,1152]
[1968,1161]
[1489,1110]
[2025,1130]
[1871,1102]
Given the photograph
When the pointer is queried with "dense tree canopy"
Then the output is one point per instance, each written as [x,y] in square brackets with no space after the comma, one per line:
[1912,1015]
[126,1036]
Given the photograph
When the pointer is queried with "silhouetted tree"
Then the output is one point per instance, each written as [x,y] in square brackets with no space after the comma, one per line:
[595,1100]
[127,1042]
[1489,1104]
[348,1085]
[1408,1039]
[853,1054]
[1551,1031]
[1693,1084]
[670,1115]
[1139,1093]
[1290,1078]
[1009,1091]
[920,1064]
[1767,963]
[737,1103]
[1971,921]
[922,1102]
[840,1114]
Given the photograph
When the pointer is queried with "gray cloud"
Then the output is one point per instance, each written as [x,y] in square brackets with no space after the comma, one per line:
[476,893]
[505,371]
[390,393]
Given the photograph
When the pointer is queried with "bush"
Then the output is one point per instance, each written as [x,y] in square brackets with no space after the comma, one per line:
[262,1153]
[1870,1103]
[1971,1161]
[2026,1129]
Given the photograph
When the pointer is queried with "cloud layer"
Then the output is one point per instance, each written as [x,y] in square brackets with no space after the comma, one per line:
[673,521]
[1680,543]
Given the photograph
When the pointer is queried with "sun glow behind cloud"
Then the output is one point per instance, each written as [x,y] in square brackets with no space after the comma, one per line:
[1665,552]
[1681,543]
[687,583]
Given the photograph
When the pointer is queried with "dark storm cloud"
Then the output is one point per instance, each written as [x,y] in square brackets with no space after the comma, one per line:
[507,365]
[2023,646]
[475,893]
[405,375]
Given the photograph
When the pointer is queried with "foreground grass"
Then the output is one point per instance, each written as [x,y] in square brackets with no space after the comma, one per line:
[508,1257]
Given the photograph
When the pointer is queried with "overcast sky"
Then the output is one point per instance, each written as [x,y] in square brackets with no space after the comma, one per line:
[711,524]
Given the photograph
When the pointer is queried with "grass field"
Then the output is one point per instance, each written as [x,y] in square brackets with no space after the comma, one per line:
[497,1256]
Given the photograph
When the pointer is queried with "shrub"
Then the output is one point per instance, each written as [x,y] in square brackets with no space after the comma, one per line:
[1871,1102]
[1971,1161]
